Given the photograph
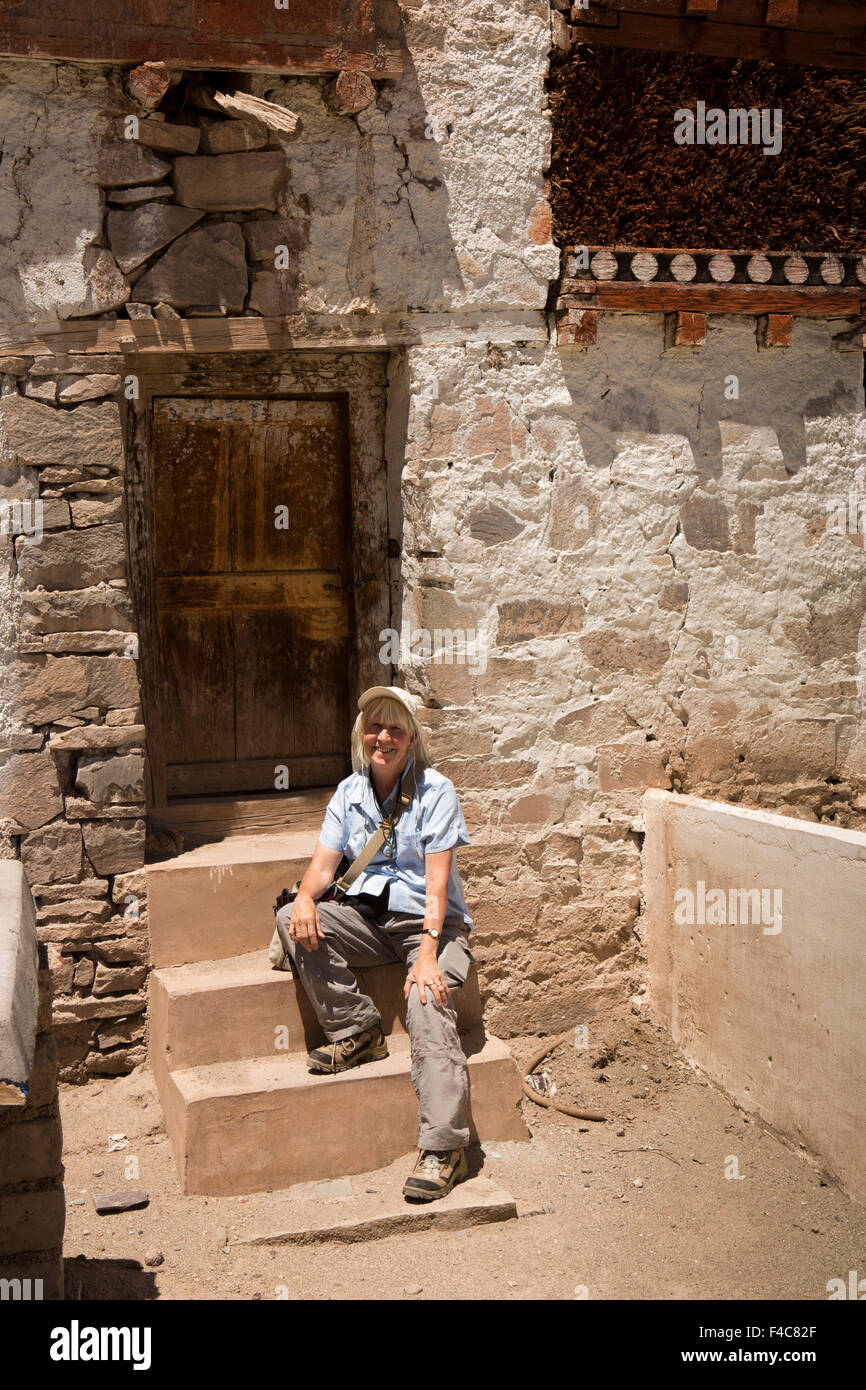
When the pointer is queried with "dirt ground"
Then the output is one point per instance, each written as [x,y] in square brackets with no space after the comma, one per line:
[658,1221]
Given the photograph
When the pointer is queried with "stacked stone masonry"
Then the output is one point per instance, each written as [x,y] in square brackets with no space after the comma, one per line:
[644,554]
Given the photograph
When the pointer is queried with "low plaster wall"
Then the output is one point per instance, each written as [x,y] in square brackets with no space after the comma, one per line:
[771,1009]
[32,1204]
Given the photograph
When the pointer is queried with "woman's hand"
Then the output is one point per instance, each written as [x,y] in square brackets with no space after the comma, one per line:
[425,973]
[305,927]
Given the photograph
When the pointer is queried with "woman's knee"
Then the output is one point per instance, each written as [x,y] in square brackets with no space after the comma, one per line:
[429,1018]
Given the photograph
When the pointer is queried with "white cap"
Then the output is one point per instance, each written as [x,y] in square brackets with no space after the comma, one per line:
[389,692]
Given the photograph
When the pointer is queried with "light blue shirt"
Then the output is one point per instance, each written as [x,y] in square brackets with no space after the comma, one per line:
[433,822]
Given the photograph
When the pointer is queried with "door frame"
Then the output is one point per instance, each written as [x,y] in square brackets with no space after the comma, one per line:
[360,378]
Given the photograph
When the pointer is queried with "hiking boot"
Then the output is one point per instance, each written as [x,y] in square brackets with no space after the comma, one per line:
[368,1046]
[434,1174]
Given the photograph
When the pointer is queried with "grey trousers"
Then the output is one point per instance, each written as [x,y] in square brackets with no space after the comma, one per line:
[440,1073]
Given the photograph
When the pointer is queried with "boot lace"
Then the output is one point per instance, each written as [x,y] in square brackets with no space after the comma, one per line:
[431,1163]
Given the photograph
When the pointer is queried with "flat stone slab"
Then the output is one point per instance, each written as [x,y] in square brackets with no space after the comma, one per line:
[204,266]
[137,234]
[107,1202]
[371,1206]
[229,182]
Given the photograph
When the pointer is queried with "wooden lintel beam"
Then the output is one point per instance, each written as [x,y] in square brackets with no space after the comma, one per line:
[702,34]
[728,299]
[299,332]
[302,37]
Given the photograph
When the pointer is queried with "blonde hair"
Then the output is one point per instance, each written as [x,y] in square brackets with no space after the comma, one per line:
[388,710]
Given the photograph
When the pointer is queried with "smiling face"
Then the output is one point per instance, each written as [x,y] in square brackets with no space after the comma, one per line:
[387,739]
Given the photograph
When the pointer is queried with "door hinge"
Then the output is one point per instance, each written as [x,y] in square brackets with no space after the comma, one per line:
[350,588]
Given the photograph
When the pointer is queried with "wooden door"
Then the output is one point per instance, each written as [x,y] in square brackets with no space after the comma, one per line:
[253,586]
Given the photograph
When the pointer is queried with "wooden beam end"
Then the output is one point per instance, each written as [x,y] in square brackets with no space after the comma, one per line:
[776,330]
[687,329]
[578,328]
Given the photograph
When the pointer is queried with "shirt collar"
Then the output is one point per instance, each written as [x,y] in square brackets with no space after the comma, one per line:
[366,796]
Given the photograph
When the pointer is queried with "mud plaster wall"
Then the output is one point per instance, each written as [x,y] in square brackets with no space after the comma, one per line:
[431,198]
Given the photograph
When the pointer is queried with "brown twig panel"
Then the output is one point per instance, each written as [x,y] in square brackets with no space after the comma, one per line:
[618,176]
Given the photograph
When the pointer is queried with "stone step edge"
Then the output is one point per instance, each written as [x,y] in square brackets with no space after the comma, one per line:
[398,1061]
[238,849]
[476,1202]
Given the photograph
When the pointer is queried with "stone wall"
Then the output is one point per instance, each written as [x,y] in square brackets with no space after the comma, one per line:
[642,554]
[72,776]
[660,601]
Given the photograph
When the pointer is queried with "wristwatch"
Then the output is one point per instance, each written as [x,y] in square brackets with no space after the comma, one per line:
[431,931]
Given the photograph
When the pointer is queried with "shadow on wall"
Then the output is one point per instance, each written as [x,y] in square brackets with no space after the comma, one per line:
[712,400]
[51,264]
[368,195]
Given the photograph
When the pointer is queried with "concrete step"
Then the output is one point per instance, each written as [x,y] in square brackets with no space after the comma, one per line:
[226,1010]
[217,900]
[249,1125]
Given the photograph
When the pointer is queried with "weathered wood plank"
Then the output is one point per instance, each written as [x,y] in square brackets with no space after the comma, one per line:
[304,37]
[728,299]
[197,694]
[810,16]
[665,34]
[201,819]
[252,775]
[279,590]
[695,251]
[376,332]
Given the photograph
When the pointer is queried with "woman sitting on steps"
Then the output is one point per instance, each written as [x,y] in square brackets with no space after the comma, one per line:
[407,905]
